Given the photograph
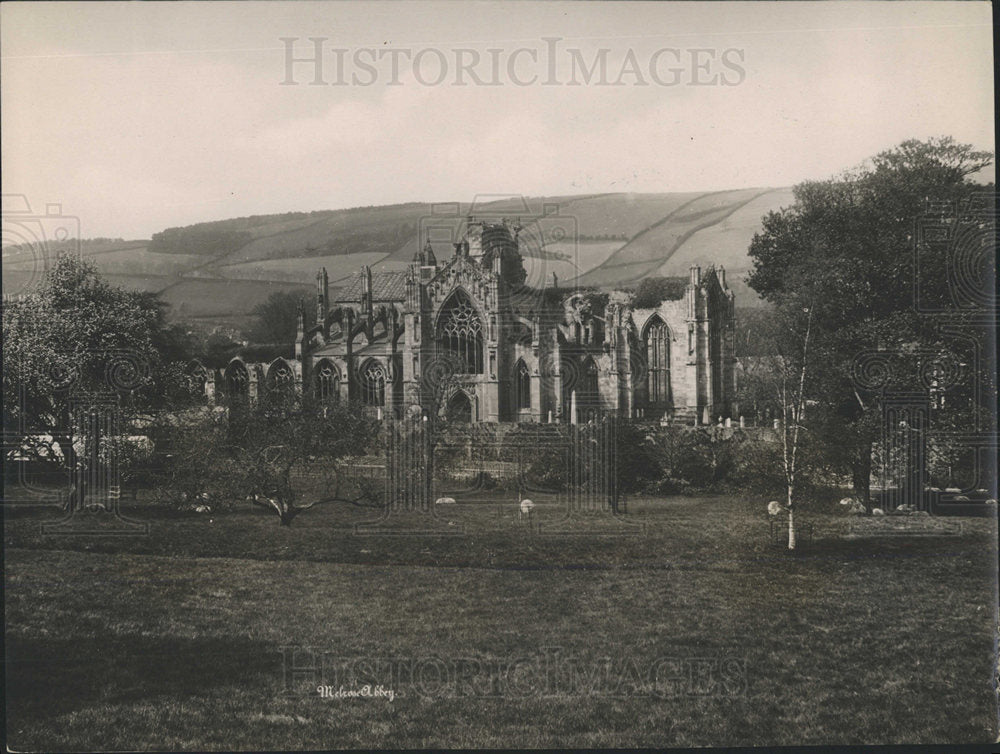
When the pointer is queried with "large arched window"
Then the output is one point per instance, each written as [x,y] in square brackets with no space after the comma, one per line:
[460,334]
[237,382]
[658,362]
[197,378]
[459,408]
[280,380]
[327,382]
[588,395]
[522,385]
[372,382]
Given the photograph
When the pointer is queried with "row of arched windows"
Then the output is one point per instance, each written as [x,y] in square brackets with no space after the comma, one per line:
[460,333]
[281,378]
[372,379]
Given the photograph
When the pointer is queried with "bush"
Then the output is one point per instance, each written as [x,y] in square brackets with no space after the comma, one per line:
[668,485]
[678,461]
[639,463]
[652,291]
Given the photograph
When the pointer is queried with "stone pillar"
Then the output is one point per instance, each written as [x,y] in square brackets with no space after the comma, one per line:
[536,395]
[344,386]
[557,376]
[572,407]
[252,391]
[300,332]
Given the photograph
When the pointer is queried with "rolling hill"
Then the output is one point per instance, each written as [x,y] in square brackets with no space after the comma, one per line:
[217,272]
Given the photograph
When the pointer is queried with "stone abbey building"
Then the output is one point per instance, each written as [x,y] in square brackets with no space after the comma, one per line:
[458,333]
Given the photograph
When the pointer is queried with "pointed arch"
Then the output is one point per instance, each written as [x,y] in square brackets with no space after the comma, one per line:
[588,396]
[279,381]
[197,377]
[522,385]
[459,408]
[327,387]
[237,378]
[372,378]
[458,333]
[656,341]
[280,374]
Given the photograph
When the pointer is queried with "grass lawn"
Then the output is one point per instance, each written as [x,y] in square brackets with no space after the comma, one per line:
[175,639]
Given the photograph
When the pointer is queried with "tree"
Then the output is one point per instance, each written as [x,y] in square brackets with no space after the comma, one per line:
[276,320]
[790,390]
[75,348]
[193,454]
[846,249]
[654,290]
[275,445]
[218,348]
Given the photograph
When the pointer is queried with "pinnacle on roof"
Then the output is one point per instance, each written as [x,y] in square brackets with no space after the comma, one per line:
[425,257]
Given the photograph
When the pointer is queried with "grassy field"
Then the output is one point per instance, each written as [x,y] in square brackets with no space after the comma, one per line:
[302,269]
[222,298]
[175,639]
[650,250]
[726,242]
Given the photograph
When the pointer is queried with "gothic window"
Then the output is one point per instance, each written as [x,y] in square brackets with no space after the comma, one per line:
[373,379]
[197,379]
[280,379]
[459,409]
[237,382]
[327,382]
[460,334]
[522,382]
[658,362]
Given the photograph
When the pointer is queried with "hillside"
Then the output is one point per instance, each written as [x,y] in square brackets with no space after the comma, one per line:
[218,271]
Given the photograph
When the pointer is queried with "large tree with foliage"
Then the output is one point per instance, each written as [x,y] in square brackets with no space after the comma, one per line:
[288,455]
[76,342]
[849,249]
[276,319]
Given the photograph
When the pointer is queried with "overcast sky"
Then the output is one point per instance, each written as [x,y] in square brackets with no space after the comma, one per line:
[139,116]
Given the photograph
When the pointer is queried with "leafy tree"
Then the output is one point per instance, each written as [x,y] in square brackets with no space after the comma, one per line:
[217,349]
[654,290]
[637,462]
[845,250]
[274,445]
[75,338]
[791,367]
[193,452]
[276,320]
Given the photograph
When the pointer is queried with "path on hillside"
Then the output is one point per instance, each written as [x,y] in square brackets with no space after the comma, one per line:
[650,265]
